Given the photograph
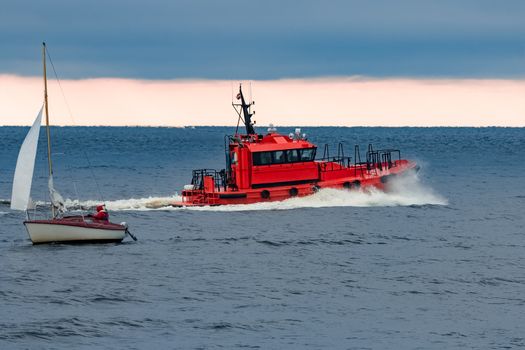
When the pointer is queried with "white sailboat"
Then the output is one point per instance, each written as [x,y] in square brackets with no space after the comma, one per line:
[59,228]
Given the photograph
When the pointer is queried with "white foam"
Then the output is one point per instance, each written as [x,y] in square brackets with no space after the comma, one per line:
[404,190]
[149,203]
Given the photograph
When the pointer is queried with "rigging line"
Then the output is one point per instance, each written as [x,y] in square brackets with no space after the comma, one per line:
[251,100]
[70,173]
[74,122]
[237,128]
[60,85]
[79,203]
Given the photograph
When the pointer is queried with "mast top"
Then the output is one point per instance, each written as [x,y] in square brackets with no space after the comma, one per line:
[250,130]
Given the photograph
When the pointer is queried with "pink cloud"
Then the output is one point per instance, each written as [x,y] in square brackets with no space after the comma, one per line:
[327,101]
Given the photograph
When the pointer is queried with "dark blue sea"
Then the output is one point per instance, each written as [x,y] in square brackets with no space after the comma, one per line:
[437,263]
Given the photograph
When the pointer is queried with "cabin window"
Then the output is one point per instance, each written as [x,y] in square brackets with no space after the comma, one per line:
[281,157]
[307,154]
[292,156]
[262,158]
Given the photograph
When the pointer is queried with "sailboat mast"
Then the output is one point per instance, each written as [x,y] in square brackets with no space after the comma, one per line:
[49,161]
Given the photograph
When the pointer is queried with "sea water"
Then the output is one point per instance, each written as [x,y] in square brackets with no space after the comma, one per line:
[437,263]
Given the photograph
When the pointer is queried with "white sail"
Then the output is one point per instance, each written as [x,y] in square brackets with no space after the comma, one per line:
[25,165]
[56,198]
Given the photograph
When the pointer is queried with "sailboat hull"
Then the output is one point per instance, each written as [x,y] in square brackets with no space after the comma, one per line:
[74,230]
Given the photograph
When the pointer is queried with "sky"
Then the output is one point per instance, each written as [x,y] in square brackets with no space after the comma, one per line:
[423,62]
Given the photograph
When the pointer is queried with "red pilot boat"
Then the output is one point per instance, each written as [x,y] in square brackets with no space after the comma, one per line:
[274,167]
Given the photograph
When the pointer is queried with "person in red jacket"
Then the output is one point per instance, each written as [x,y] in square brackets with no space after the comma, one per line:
[101,214]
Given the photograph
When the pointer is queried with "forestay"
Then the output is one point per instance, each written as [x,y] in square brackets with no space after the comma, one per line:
[25,166]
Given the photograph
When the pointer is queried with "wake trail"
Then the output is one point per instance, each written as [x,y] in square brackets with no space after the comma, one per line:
[404,190]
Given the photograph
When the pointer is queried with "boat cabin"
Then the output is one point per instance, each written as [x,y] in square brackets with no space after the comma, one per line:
[257,161]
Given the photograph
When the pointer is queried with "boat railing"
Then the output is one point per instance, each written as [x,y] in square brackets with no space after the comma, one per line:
[375,159]
[358,164]
[334,163]
[382,158]
[219,178]
[329,163]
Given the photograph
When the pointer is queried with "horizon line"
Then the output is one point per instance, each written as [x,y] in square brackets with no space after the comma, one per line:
[322,77]
[280,126]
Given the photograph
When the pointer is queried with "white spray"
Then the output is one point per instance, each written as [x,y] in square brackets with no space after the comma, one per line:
[404,190]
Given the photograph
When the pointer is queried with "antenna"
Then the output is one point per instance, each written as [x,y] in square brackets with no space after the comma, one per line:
[243,110]
[251,100]
[231,87]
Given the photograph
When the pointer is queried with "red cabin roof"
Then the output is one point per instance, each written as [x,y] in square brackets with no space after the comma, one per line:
[275,142]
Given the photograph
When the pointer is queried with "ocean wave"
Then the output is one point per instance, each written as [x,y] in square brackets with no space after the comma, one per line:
[405,190]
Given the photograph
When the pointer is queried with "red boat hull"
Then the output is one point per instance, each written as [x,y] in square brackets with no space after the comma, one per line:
[353,177]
